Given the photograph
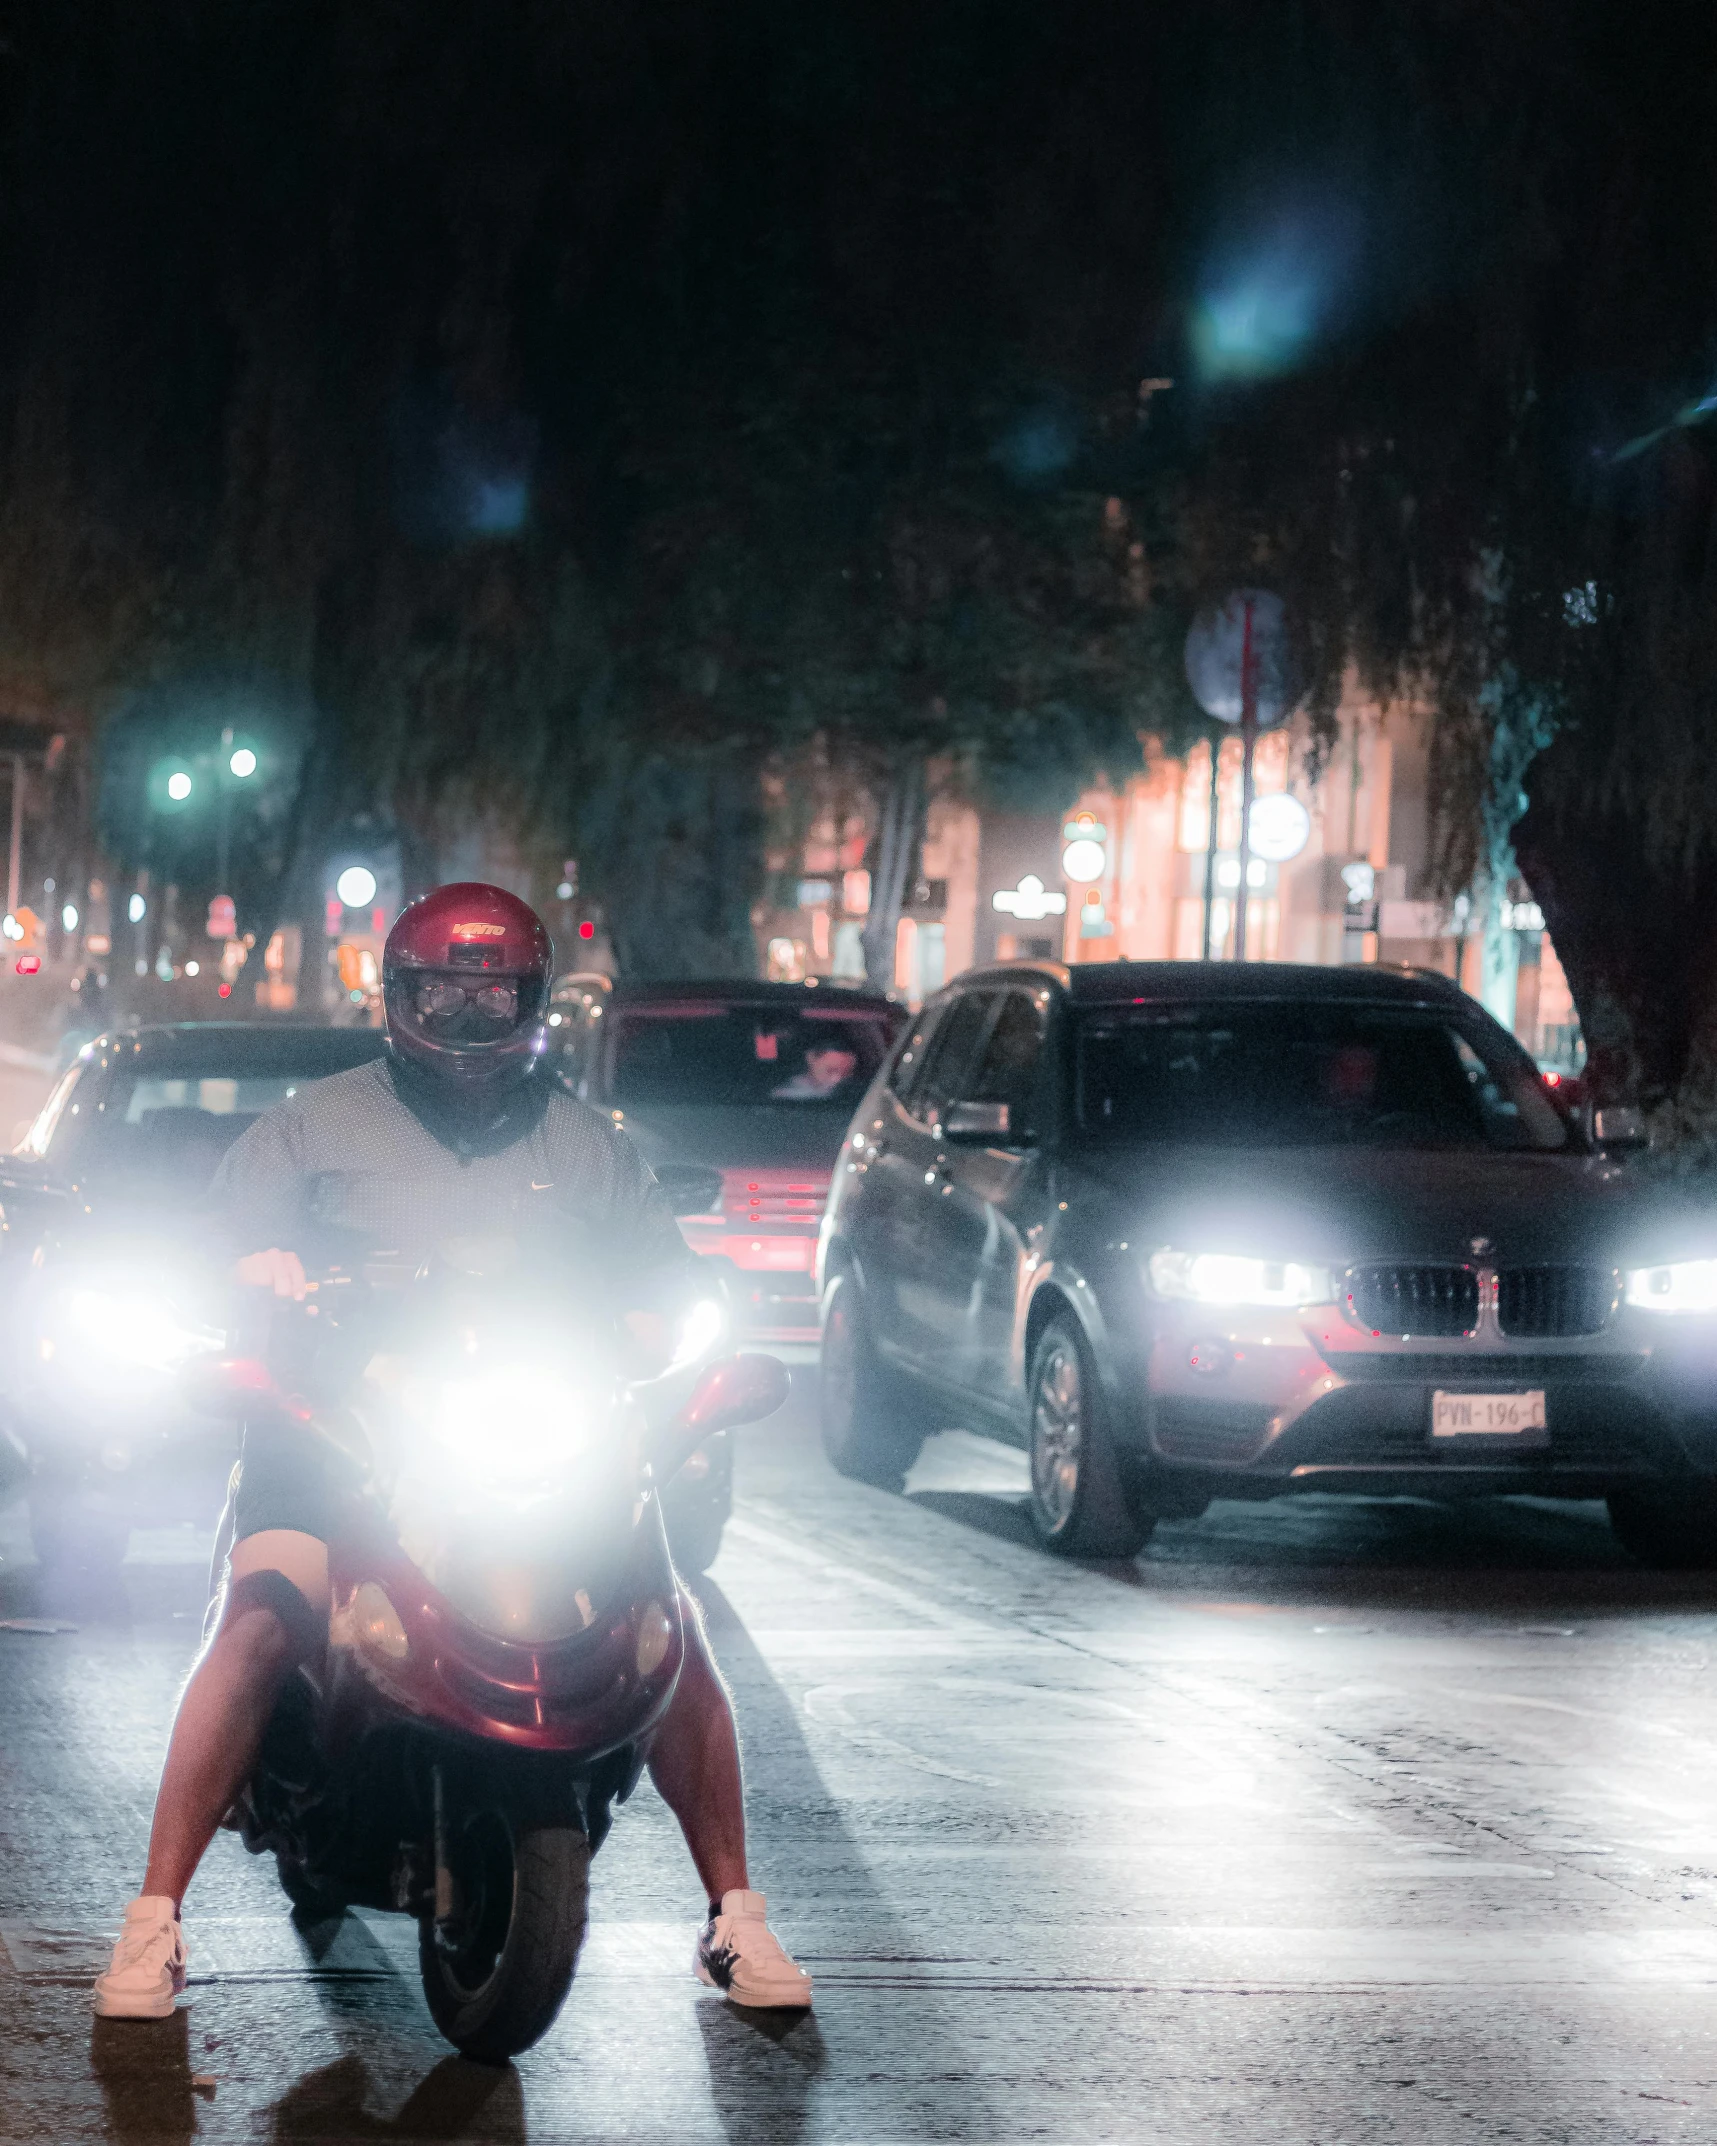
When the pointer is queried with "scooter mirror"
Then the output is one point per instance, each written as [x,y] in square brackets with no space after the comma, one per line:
[739,1389]
[229,1386]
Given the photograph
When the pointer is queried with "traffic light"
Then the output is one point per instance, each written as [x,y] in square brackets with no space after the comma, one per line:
[1085,854]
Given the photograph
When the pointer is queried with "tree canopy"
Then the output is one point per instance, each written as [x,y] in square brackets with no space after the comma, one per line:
[558,412]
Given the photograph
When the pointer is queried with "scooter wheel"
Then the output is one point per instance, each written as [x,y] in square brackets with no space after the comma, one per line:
[497,1976]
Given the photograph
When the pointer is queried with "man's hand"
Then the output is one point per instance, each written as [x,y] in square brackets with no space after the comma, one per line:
[283,1272]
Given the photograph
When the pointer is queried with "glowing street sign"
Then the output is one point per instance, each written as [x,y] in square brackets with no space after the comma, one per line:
[1030,901]
[1280,827]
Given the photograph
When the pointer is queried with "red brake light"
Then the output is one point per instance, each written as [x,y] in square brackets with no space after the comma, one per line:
[28,964]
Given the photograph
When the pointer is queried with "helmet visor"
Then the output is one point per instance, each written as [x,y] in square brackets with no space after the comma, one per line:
[463,1011]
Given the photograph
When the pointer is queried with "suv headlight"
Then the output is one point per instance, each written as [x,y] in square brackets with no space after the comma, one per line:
[1224,1278]
[1686,1285]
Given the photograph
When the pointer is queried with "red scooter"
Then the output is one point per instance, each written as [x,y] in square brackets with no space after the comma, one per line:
[506,1632]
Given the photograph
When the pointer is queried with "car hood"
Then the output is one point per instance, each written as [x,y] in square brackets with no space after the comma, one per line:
[808,1138]
[1346,1204]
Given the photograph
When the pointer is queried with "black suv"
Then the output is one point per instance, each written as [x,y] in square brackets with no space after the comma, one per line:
[1186,1230]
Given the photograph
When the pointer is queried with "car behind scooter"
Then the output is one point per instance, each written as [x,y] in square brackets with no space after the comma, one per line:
[506,1630]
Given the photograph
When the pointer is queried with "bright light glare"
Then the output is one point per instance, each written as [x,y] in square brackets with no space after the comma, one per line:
[356,886]
[178,786]
[69,916]
[702,1330]
[243,762]
[510,1432]
[1082,860]
[138,1332]
[1279,828]
[1688,1286]
[1222,1278]
[136,909]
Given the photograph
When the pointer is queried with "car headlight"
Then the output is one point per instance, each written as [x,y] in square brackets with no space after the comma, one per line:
[1686,1285]
[97,1330]
[700,1331]
[1224,1278]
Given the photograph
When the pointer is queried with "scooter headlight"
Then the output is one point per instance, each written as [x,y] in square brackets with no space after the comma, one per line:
[655,1636]
[512,1432]
[375,1624]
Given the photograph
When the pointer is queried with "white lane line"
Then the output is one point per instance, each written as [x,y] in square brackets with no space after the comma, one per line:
[1087,1956]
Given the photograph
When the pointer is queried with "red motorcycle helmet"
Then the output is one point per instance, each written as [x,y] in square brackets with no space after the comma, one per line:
[465,984]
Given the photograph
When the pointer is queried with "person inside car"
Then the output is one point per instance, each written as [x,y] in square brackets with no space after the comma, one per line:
[827,1068]
[446,1134]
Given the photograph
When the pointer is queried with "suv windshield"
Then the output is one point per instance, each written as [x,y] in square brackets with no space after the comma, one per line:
[751,1057]
[1307,1074]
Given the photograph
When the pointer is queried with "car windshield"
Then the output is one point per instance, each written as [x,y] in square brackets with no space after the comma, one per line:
[169,1135]
[738,1056]
[162,1130]
[1307,1074]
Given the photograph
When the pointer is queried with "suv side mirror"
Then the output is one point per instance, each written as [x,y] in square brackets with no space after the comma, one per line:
[1620,1125]
[977,1123]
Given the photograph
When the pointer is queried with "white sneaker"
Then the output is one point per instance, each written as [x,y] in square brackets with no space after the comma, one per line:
[148,1969]
[739,1953]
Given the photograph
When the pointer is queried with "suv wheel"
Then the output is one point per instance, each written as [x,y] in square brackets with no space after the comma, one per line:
[870,1428]
[1674,1530]
[1079,1503]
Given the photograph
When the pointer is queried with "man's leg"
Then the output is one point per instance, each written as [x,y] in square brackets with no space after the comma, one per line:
[694,1763]
[274,1616]
[218,1730]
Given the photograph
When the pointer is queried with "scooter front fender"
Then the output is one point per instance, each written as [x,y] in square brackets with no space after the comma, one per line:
[411,1654]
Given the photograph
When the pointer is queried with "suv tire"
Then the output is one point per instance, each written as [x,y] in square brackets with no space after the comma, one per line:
[1079,1504]
[869,1425]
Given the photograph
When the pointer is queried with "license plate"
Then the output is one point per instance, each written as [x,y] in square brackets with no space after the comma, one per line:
[1487,1415]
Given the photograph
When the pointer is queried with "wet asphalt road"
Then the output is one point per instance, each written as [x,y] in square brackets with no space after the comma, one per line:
[1324,1822]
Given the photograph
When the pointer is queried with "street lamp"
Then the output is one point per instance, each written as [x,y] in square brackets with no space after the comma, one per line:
[243,763]
[179,785]
[356,886]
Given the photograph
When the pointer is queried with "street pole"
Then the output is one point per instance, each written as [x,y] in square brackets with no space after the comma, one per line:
[222,810]
[15,861]
[1210,845]
[1248,740]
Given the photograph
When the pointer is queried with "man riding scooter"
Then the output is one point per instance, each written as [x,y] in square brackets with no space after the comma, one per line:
[445,1136]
